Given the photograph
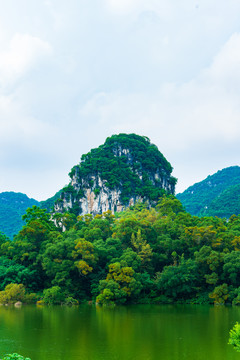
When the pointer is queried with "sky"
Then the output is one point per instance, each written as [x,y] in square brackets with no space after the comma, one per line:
[75,72]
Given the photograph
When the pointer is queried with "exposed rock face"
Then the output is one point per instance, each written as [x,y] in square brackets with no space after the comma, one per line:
[94,204]
[117,175]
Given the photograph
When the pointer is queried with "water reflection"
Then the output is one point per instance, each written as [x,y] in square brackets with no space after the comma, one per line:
[135,332]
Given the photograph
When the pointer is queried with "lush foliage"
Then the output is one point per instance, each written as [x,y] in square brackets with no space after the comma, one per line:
[127,162]
[227,203]
[157,255]
[14,293]
[12,207]
[217,195]
[15,356]
[234,338]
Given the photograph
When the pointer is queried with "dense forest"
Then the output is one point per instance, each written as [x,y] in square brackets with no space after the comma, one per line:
[217,195]
[156,255]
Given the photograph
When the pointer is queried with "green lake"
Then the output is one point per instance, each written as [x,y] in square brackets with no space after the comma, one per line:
[139,332]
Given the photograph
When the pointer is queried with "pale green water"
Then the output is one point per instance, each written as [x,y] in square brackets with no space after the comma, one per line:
[139,332]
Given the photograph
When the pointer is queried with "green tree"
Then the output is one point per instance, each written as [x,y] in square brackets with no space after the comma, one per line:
[88,257]
[231,268]
[234,337]
[57,261]
[119,285]
[11,272]
[220,294]
[14,293]
[36,213]
[53,296]
[143,249]
[178,282]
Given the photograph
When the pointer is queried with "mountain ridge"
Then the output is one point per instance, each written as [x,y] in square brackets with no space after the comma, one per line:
[12,206]
[204,198]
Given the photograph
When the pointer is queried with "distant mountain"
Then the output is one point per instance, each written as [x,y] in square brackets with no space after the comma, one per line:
[12,207]
[217,195]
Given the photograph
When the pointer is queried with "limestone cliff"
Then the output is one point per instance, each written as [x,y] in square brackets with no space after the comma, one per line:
[126,169]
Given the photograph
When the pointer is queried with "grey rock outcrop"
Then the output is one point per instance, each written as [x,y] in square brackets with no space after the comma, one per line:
[92,203]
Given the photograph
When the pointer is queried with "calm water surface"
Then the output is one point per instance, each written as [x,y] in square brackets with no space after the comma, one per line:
[141,332]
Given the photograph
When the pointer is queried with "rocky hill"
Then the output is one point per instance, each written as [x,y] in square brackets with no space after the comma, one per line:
[126,169]
[217,195]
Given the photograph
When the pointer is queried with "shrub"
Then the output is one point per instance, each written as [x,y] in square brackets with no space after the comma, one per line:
[14,293]
[70,301]
[234,338]
[220,294]
[53,296]
[15,356]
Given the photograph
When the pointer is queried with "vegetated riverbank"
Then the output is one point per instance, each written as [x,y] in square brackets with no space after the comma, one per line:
[157,255]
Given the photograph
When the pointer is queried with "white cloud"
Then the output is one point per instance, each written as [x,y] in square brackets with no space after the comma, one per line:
[163,8]
[226,65]
[18,126]
[181,118]
[165,69]
[24,52]
[121,6]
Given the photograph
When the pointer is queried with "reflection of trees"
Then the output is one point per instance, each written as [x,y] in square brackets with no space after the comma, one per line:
[133,332]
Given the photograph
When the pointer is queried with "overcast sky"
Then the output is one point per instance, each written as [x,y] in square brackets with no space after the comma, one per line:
[74,72]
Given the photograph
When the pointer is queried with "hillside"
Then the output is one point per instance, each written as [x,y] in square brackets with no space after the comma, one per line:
[49,203]
[126,169]
[217,195]
[12,207]
[227,203]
